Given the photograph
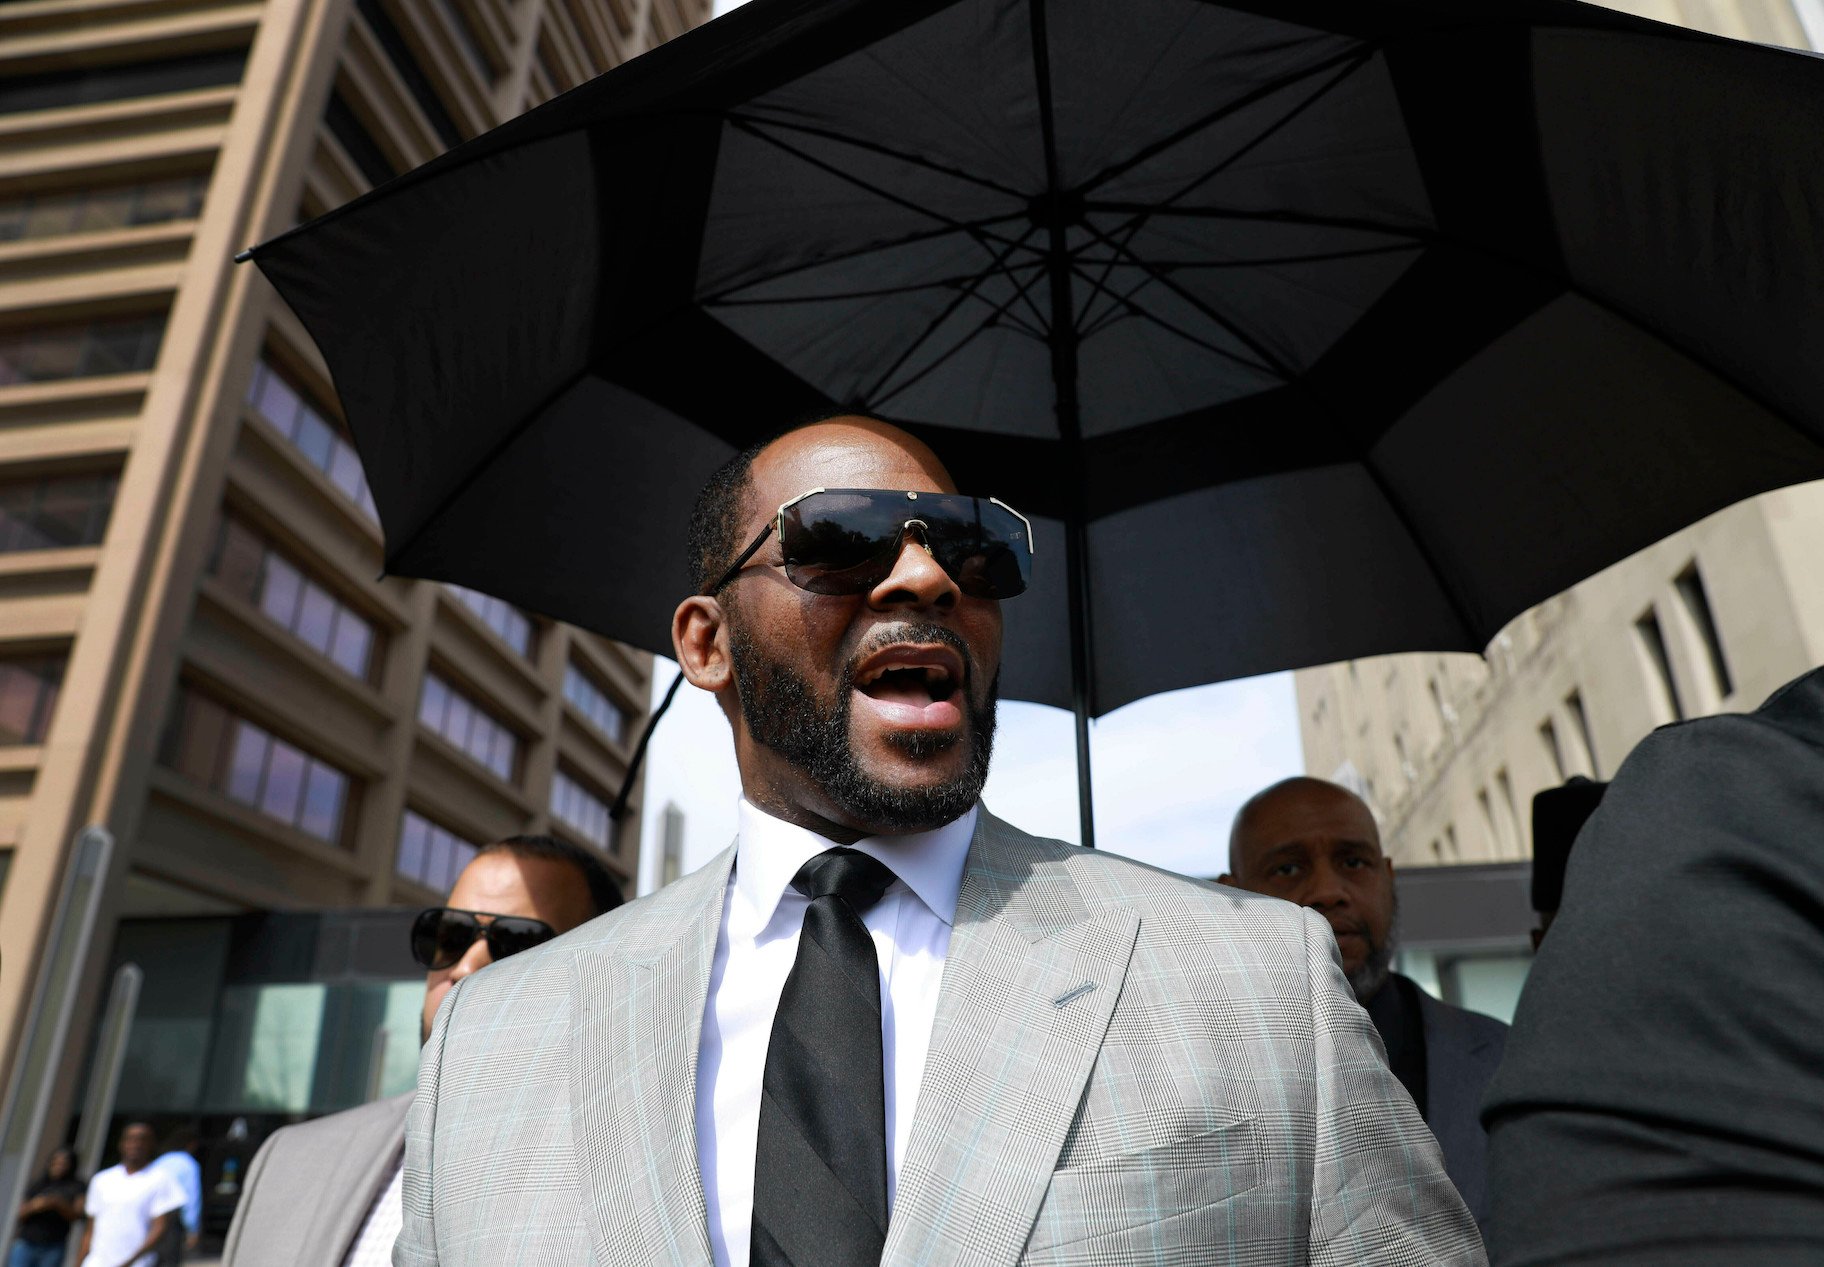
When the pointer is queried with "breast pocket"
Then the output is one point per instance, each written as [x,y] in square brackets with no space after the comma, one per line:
[1153,1194]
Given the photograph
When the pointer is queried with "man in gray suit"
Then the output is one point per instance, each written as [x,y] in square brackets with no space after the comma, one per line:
[885,1026]
[326,1193]
[1316,844]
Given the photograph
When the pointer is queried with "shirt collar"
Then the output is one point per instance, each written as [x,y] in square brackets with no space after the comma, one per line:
[769,851]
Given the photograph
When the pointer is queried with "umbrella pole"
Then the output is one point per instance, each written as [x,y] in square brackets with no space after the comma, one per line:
[1056,210]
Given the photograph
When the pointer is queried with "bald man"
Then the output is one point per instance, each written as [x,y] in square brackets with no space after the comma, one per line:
[1316,844]
[885,1027]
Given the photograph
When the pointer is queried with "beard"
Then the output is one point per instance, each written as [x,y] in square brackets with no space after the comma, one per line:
[785,714]
[1367,980]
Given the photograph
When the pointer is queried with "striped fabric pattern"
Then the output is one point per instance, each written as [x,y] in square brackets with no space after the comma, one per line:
[1127,1067]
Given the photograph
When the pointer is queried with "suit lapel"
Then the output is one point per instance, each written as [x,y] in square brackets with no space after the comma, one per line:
[1030,981]
[381,1140]
[633,1068]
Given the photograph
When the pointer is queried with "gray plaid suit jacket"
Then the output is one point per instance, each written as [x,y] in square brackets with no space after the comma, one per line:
[1126,1067]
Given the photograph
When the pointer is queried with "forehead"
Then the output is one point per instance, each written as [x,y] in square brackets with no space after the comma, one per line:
[1313,820]
[845,453]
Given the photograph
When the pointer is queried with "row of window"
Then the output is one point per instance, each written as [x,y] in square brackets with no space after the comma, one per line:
[55,512]
[506,620]
[252,568]
[89,85]
[310,433]
[594,704]
[48,215]
[431,855]
[468,726]
[53,353]
[582,810]
[28,698]
[247,763]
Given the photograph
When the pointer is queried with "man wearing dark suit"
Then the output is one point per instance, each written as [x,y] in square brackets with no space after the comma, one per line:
[1316,844]
[1662,1101]
[326,1193]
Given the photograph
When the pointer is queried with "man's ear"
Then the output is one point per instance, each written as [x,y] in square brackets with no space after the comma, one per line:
[698,642]
[1226,878]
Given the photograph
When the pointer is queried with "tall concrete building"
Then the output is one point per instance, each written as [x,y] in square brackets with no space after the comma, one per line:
[1449,750]
[194,653]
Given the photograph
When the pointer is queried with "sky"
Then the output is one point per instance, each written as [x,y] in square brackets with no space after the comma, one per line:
[1169,772]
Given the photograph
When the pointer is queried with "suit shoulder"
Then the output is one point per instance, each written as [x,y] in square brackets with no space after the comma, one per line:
[1470,1026]
[379,1119]
[1107,879]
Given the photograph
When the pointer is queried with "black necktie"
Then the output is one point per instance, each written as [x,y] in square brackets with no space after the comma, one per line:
[820,1171]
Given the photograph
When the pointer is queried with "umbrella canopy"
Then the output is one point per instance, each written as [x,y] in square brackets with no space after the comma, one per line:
[1302,330]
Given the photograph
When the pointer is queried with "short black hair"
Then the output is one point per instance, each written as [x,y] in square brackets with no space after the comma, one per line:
[712,538]
[604,891]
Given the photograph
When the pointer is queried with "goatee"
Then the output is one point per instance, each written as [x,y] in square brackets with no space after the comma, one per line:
[784,713]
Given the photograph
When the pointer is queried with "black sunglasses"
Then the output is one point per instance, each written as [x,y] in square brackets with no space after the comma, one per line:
[846,541]
[443,934]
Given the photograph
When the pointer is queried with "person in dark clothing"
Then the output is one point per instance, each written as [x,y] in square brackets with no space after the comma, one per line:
[51,1207]
[1316,844]
[1559,813]
[1662,1100]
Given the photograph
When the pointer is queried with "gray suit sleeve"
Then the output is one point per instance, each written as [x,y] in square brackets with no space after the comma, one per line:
[243,1208]
[1379,1191]
[417,1243]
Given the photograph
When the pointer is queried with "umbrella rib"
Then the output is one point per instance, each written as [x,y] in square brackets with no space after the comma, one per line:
[997,312]
[1424,552]
[1267,261]
[848,177]
[1273,364]
[1412,233]
[996,267]
[1350,61]
[840,296]
[972,228]
[884,151]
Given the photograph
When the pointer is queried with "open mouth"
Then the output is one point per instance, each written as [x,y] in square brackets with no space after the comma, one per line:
[912,687]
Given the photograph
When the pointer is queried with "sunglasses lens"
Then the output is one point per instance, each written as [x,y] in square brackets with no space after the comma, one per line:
[842,542]
[440,937]
[508,936]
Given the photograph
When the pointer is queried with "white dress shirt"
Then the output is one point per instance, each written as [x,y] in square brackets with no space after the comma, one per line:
[374,1246]
[755,949]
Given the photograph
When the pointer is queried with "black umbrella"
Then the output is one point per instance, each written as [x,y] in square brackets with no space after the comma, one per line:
[1304,330]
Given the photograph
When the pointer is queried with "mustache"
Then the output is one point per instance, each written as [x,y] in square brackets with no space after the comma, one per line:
[910,632]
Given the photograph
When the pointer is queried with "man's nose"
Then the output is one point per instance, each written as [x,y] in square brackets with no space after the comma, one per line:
[1326,890]
[475,958]
[917,579]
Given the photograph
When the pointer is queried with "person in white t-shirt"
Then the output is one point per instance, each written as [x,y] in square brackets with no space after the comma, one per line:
[129,1206]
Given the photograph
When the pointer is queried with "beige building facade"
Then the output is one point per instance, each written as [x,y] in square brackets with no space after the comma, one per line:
[1450,749]
[194,652]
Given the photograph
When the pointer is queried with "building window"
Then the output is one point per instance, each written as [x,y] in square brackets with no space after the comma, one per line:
[411,74]
[431,855]
[357,142]
[597,708]
[582,810]
[28,698]
[88,85]
[49,215]
[1510,813]
[55,512]
[1659,666]
[470,38]
[1573,704]
[246,763]
[310,433]
[506,620]
[1691,591]
[1450,839]
[1548,735]
[86,349]
[458,719]
[253,569]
